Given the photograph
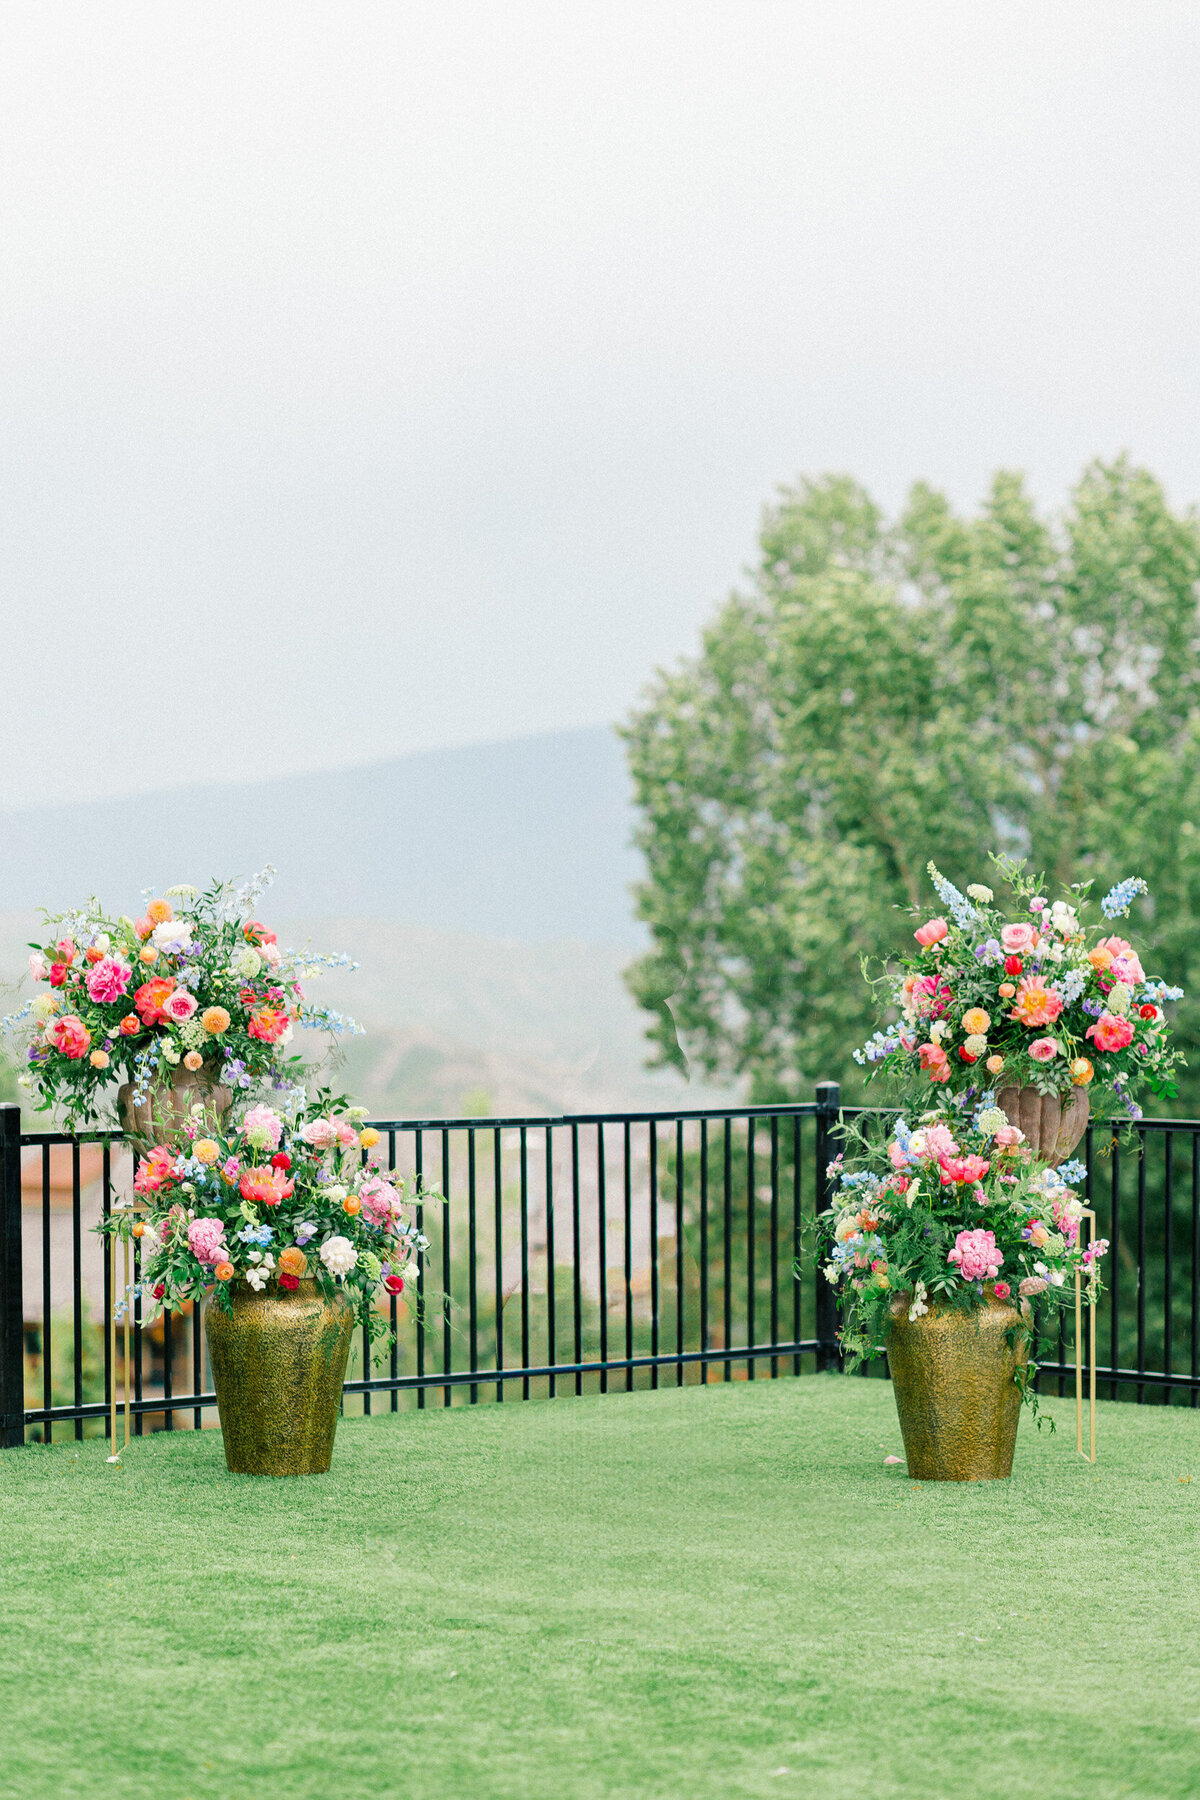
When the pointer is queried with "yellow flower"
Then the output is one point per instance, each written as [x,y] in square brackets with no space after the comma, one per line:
[975,1021]
[215,1020]
[159,912]
[368,1138]
[205,1151]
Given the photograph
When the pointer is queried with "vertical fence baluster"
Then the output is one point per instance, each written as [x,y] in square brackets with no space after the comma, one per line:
[679,1271]
[727,1250]
[653,1251]
[394,1309]
[1168,1256]
[628,1190]
[797,1240]
[524,1262]
[47,1299]
[12,1298]
[751,1272]
[704,1249]
[472,1289]
[1195,1268]
[576,1260]
[774,1264]
[77,1315]
[829,1100]
[551,1296]
[110,1373]
[498,1186]
[1141,1264]
[1114,1261]
[602,1209]
[447,1288]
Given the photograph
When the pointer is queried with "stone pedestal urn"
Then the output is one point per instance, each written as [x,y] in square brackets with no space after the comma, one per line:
[1051,1125]
[278,1363]
[161,1115]
[953,1375]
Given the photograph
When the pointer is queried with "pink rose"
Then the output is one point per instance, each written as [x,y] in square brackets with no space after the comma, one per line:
[109,979]
[262,1121]
[70,1035]
[1126,964]
[320,1133]
[976,1254]
[1110,1033]
[1043,1050]
[206,1241]
[932,932]
[1007,1136]
[39,968]
[66,950]
[1002,1290]
[1018,938]
[179,1005]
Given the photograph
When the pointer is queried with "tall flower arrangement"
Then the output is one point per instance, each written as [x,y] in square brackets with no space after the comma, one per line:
[1024,992]
[285,1195]
[194,981]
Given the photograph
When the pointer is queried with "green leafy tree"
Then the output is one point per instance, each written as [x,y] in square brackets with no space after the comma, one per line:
[936,687]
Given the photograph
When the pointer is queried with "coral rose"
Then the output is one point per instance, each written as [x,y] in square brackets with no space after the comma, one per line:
[293,1261]
[130,1025]
[962,1170]
[99,1059]
[215,1020]
[70,1036]
[1016,939]
[1109,1032]
[1043,1050]
[932,932]
[1036,1004]
[193,1061]
[150,997]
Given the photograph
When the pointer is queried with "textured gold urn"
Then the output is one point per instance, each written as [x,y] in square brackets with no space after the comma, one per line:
[161,1116]
[1051,1128]
[953,1374]
[278,1366]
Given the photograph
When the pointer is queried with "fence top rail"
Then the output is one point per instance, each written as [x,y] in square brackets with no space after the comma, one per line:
[804,1110]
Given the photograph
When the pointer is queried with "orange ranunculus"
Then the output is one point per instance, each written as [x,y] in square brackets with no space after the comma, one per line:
[224,1271]
[1081,1071]
[1036,1004]
[130,1025]
[193,1061]
[215,1020]
[150,996]
[159,911]
[293,1261]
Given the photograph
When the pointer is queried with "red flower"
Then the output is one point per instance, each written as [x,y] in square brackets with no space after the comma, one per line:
[254,933]
[1001,1290]
[58,974]
[966,1055]
[289,1282]
[267,1024]
[1148,1011]
[281,1160]
[1013,965]
[159,1289]
[247,996]
[394,1284]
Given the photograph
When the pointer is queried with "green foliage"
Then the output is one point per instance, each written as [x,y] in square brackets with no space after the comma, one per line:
[941,687]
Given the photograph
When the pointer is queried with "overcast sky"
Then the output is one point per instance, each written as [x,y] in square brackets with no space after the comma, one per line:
[376,377]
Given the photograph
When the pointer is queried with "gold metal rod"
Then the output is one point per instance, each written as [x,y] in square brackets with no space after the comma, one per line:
[128,1304]
[1090,1216]
[1078,1363]
[112,1348]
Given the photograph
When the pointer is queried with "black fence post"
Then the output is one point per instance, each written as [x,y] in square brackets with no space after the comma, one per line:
[12,1302]
[829,1104]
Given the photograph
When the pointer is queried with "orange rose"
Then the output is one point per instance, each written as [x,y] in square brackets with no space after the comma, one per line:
[224,1271]
[215,1020]
[352,1204]
[130,1025]
[293,1261]
[193,1060]
[99,1059]
[159,911]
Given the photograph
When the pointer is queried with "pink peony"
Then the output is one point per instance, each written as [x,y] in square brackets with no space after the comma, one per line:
[930,996]
[1007,1136]
[320,1133]
[1110,1033]
[1035,1003]
[932,932]
[265,1124]
[1043,1050]
[109,980]
[1018,938]
[179,1006]
[265,1187]
[39,968]
[155,1171]
[380,1201]
[976,1254]
[206,1241]
[70,1035]
[939,1141]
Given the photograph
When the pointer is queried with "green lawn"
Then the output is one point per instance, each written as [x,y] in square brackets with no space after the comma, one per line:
[719,1591]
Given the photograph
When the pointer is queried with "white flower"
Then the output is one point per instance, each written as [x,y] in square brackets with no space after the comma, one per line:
[245,963]
[975,1045]
[168,1052]
[991,1119]
[938,1030]
[1052,952]
[45,1006]
[183,890]
[918,1309]
[272,955]
[1063,918]
[977,891]
[411,1270]
[339,1255]
[1119,999]
[173,934]
[151,1242]
[260,1274]
[335,1194]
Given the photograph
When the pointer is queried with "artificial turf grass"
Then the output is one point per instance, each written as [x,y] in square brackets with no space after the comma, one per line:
[672,1594]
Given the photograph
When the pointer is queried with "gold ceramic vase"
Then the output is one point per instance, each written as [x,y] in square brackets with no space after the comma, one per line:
[1052,1129]
[953,1375]
[160,1117]
[278,1365]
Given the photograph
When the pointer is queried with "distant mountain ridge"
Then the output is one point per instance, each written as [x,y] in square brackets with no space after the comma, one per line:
[527,839]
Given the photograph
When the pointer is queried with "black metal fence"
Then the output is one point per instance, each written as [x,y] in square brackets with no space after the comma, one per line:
[569,1255]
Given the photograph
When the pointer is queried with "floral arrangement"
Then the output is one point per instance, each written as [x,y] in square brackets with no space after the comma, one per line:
[1025,994]
[281,1197]
[956,1211]
[195,980]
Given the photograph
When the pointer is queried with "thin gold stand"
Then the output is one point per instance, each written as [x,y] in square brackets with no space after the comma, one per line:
[115,1457]
[1086,1214]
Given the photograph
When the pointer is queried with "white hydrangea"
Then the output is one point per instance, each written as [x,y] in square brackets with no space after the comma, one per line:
[1120,999]
[339,1255]
[245,963]
[977,891]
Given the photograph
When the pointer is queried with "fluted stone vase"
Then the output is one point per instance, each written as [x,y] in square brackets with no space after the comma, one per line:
[1052,1129]
[161,1116]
